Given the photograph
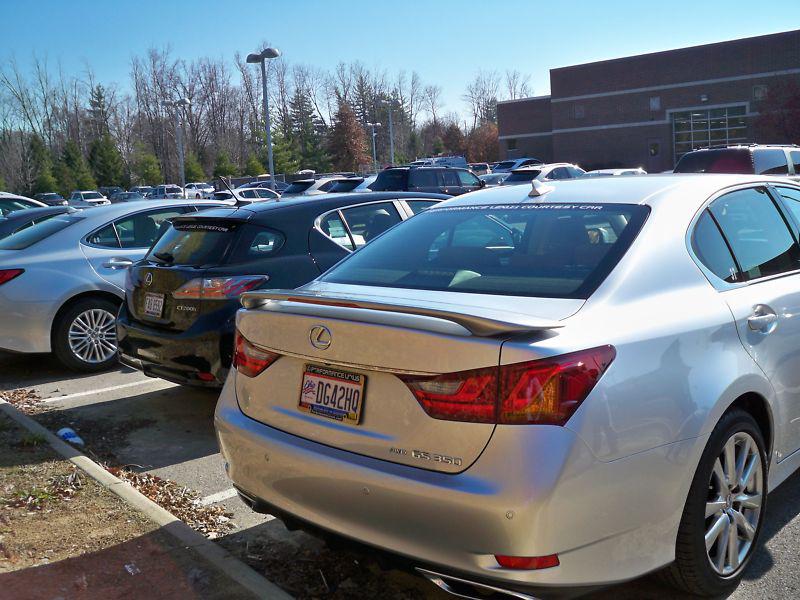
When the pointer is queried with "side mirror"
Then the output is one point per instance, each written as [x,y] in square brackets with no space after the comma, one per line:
[482,183]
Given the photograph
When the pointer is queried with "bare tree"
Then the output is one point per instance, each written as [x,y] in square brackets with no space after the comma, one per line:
[517,85]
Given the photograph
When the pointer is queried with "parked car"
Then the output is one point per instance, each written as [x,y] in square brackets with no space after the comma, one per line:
[90,196]
[311,187]
[110,190]
[11,202]
[199,189]
[350,184]
[443,180]
[480,168]
[279,186]
[144,190]
[365,186]
[506,166]
[126,197]
[548,172]
[493,179]
[246,195]
[525,366]
[61,281]
[165,192]
[51,199]
[22,219]
[441,161]
[758,159]
[178,320]
[615,172]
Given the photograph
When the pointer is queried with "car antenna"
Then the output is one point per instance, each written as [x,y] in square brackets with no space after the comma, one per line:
[235,196]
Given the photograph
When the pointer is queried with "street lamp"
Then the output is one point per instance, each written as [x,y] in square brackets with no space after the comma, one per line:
[374,126]
[177,105]
[262,57]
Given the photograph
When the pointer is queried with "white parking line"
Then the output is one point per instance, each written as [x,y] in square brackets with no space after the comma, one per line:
[218,497]
[108,389]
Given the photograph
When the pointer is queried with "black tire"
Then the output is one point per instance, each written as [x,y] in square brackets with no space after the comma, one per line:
[692,570]
[61,339]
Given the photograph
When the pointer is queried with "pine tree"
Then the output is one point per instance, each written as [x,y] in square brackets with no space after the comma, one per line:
[307,133]
[253,167]
[193,170]
[283,155]
[106,161]
[223,167]
[146,168]
[72,171]
[453,139]
[347,142]
[44,181]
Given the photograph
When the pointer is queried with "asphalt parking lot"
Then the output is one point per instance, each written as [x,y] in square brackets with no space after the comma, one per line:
[167,430]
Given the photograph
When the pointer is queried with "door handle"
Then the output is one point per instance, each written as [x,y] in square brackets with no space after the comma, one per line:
[763,319]
[118,263]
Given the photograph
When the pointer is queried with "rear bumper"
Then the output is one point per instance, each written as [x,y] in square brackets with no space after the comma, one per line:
[199,356]
[533,492]
[25,326]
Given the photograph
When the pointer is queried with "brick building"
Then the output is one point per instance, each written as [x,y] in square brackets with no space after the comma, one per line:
[648,110]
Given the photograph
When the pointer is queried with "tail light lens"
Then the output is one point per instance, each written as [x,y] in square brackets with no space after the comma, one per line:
[218,288]
[7,275]
[544,392]
[249,360]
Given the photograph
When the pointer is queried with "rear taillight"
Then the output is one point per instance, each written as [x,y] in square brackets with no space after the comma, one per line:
[249,360]
[218,288]
[7,275]
[545,391]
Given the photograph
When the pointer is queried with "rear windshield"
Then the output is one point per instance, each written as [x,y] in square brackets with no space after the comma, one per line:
[345,186]
[544,250]
[92,196]
[214,243]
[36,233]
[507,164]
[522,176]
[298,187]
[390,180]
[726,160]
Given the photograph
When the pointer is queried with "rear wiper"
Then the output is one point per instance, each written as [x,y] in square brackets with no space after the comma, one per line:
[164,257]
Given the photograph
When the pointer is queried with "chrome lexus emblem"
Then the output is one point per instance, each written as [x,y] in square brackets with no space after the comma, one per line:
[320,337]
[148,279]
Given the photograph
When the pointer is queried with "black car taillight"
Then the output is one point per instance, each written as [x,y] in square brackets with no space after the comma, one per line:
[7,275]
[544,392]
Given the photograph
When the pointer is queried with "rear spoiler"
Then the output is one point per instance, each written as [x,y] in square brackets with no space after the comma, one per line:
[477,325]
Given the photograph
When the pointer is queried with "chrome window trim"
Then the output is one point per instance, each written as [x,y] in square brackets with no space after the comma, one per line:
[85,239]
[720,284]
[401,212]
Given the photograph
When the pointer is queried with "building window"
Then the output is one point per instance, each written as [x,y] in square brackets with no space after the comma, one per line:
[511,144]
[655,103]
[578,111]
[712,128]
[759,92]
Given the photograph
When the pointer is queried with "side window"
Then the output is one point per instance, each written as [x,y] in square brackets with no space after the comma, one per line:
[790,197]
[795,156]
[141,230]
[468,179]
[327,186]
[106,237]
[248,194]
[710,247]
[256,243]
[421,178]
[369,221]
[756,232]
[449,178]
[557,173]
[770,162]
[575,172]
[417,206]
[333,226]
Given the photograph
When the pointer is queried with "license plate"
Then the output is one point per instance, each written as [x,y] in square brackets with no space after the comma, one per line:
[334,394]
[153,304]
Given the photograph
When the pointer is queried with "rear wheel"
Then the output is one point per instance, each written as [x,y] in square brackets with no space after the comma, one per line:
[85,336]
[724,511]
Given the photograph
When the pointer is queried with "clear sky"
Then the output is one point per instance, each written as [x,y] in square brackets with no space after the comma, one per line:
[446,41]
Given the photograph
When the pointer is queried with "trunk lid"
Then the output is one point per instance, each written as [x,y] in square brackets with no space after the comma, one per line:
[382,335]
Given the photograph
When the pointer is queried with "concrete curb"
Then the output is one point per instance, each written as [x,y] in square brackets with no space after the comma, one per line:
[213,553]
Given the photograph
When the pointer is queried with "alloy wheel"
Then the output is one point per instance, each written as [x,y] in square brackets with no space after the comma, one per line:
[93,336]
[733,507]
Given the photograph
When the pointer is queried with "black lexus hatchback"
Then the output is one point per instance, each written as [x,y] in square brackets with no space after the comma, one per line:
[177,322]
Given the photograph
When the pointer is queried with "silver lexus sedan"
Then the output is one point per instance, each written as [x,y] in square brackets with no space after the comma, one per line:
[533,388]
[62,280]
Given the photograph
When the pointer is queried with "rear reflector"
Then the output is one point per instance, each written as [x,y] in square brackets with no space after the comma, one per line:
[249,360]
[527,562]
[218,288]
[544,392]
[7,275]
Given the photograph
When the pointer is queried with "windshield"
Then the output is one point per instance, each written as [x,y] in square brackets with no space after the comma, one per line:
[727,160]
[390,180]
[522,176]
[36,233]
[544,250]
[92,196]
[298,187]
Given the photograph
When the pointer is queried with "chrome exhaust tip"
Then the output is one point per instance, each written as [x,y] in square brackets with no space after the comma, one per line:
[472,590]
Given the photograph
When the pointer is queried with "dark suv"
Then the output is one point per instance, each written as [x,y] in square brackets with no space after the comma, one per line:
[443,180]
[177,321]
[755,159]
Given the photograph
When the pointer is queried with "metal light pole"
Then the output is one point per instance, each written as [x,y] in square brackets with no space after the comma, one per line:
[373,126]
[177,105]
[391,137]
[262,57]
